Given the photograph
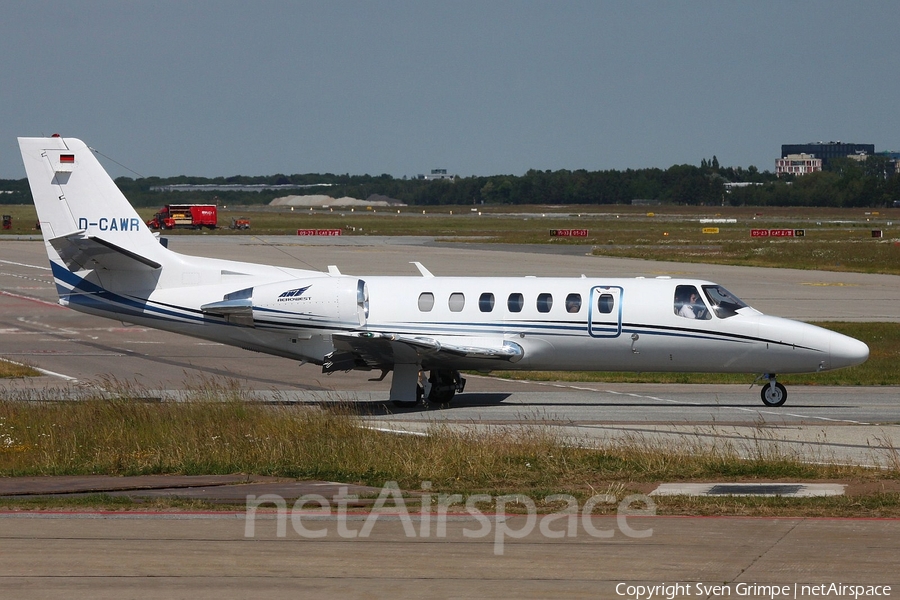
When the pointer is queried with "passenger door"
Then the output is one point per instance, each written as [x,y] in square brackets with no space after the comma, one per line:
[605,312]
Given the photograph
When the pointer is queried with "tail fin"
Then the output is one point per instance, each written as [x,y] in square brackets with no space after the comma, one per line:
[86,221]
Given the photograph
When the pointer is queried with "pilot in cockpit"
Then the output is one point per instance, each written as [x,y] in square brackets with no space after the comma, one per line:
[688,303]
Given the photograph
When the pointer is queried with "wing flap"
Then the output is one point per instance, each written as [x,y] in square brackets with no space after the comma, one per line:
[374,350]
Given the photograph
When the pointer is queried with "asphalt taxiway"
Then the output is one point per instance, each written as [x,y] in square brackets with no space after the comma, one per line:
[217,556]
[210,555]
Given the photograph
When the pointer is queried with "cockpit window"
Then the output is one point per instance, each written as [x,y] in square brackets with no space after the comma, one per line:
[724,303]
[688,303]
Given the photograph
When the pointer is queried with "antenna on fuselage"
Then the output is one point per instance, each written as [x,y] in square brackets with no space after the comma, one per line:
[425,272]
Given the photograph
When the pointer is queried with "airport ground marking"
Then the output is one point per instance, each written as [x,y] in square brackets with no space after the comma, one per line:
[688,403]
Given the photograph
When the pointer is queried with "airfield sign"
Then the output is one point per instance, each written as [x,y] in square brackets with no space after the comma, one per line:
[568,233]
[319,232]
[777,232]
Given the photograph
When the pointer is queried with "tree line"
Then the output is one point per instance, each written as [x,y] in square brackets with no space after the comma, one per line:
[845,183]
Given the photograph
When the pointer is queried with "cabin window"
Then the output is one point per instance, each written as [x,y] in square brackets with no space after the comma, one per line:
[724,303]
[457,302]
[544,302]
[573,303]
[515,302]
[688,303]
[486,302]
[426,301]
[605,303]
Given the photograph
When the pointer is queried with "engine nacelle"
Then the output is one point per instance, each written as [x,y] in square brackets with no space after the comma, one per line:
[321,302]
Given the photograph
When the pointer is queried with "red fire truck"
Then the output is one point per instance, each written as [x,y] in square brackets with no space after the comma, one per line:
[185,216]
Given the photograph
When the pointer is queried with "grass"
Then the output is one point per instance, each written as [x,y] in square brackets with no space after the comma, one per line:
[844,251]
[835,239]
[220,429]
[884,355]
[876,505]
[12,370]
[24,218]
[108,502]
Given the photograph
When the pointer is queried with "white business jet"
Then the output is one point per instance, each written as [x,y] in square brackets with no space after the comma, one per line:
[106,262]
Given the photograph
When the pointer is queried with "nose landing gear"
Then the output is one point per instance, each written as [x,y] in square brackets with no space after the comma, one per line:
[772,393]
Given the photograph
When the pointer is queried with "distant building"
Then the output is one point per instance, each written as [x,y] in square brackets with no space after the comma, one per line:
[797,164]
[739,184]
[827,151]
[893,161]
[891,167]
[436,174]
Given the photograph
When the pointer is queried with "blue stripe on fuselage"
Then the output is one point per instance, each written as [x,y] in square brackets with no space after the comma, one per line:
[89,295]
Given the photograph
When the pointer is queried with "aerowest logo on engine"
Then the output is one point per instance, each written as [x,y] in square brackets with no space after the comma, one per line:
[111,223]
[293,295]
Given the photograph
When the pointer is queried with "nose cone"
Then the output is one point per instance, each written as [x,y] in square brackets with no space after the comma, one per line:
[795,347]
[847,351]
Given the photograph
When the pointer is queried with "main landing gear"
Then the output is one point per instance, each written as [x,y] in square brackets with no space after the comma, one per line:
[439,388]
[444,385]
[772,393]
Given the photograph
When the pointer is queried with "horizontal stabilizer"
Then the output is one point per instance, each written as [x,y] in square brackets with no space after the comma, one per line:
[239,311]
[82,252]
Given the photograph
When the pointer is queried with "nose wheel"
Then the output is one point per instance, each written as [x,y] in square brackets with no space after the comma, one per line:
[773,393]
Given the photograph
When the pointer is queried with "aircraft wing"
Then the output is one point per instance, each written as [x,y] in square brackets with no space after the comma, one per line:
[373,350]
[83,252]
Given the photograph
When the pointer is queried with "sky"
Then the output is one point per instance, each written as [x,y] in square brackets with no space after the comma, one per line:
[220,88]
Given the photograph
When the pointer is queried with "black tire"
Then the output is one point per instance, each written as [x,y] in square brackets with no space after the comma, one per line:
[441,398]
[773,396]
[443,386]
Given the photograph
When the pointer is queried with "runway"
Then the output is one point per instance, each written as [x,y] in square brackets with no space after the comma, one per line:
[205,555]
